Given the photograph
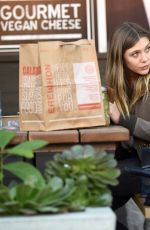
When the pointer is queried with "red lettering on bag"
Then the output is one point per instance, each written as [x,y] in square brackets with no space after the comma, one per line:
[31,70]
[50,93]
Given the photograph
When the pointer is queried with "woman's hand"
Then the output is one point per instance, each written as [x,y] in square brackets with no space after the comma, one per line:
[114,112]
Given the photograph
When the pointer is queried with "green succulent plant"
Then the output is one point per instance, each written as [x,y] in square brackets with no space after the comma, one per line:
[75,179]
[91,171]
[33,194]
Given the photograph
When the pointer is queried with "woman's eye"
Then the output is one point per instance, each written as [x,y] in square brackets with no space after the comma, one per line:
[135,55]
[147,49]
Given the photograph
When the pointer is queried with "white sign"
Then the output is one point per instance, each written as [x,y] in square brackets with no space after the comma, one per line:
[147,9]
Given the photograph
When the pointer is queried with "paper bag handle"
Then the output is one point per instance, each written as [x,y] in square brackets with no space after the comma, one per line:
[77,43]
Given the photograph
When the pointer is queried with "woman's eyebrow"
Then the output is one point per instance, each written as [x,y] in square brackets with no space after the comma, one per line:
[135,51]
[138,50]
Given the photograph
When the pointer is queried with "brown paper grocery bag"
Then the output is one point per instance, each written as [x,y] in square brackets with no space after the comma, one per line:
[31,105]
[70,87]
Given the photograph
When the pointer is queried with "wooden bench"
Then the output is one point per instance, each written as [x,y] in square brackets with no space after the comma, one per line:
[101,138]
[58,140]
[104,138]
[19,138]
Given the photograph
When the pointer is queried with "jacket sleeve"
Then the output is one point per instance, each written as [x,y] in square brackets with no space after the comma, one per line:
[138,127]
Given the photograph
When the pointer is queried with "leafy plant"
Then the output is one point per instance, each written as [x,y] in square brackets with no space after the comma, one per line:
[21,169]
[74,180]
[92,171]
[33,194]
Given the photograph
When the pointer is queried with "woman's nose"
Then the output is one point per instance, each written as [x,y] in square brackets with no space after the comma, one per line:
[144,57]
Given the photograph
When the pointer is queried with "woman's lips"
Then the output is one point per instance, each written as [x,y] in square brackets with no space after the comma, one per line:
[145,67]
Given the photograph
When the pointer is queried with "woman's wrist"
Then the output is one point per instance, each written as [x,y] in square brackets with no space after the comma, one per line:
[128,122]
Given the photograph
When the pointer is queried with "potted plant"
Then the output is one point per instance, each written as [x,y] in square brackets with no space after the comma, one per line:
[74,181]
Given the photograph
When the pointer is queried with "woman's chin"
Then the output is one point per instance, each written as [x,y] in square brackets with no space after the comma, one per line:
[144,72]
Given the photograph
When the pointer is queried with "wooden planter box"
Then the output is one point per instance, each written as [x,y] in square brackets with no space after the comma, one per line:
[91,219]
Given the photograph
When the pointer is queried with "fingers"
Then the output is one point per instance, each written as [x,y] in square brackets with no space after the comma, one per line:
[114,112]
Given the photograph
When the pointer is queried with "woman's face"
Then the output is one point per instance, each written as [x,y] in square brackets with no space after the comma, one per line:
[137,58]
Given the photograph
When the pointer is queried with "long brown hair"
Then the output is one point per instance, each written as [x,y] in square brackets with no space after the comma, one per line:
[125,37]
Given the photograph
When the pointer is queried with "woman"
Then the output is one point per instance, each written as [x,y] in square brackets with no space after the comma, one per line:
[128,73]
